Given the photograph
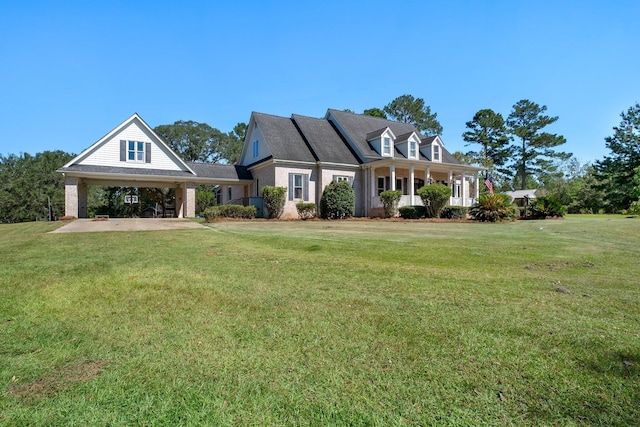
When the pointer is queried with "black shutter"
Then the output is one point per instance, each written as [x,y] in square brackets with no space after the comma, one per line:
[123,150]
[305,188]
[290,186]
[147,152]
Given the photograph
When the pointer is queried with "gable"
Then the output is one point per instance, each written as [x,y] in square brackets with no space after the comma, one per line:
[278,137]
[132,144]
[255,146]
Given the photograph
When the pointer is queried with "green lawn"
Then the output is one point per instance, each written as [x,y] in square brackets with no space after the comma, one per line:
[323,323]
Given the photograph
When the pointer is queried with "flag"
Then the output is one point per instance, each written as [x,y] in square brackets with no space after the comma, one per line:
[489,184]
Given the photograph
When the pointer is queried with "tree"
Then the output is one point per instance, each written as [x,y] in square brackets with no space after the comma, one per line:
[488,130]
[30,187]
[616,171]
[233,149]
[533,149]
[375,112]
[407,109]
[195,142]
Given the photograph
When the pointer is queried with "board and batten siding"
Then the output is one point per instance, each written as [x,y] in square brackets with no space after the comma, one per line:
[108,154]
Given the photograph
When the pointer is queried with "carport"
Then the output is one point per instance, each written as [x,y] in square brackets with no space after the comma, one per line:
[132,155]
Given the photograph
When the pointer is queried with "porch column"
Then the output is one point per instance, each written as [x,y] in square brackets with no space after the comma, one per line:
[372,176]
[451,187]
[477,185]
[412,184]
[465,188]
[71,196]
[427,176]
[392,168]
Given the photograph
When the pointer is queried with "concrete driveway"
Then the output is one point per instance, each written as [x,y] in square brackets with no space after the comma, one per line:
[127,224]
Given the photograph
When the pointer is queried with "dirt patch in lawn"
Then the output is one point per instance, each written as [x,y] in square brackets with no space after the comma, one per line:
[61,380]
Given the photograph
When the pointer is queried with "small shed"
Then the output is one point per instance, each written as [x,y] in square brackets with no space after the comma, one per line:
[522,197]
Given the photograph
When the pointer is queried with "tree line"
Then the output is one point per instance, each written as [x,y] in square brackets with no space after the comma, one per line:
[517,153]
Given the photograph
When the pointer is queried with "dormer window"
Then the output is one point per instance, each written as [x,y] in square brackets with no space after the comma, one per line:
[386,146]
[413,149]
[436,153]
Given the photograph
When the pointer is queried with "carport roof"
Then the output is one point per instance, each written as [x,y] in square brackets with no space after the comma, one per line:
[203,172]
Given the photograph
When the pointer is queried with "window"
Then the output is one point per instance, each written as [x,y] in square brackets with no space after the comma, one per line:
[386,147]
[417,183]
[229,193]
[412,149]
[298,186]
[384,184]
[135,153]
[436,153]
[255,149]
[342,178]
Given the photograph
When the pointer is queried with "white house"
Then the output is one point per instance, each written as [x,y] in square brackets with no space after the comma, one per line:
[301,153]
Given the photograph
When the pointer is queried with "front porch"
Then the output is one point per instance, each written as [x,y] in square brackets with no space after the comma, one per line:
[409,177]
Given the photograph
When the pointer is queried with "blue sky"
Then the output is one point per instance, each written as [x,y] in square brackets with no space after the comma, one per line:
[71,71]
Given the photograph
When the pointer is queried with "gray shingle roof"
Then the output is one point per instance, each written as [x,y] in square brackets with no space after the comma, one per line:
[117,170]
[359,127]
[324,140]
[220,171]
[283,138]
[202,170]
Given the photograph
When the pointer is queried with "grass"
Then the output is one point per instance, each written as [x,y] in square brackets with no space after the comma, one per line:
[323,323]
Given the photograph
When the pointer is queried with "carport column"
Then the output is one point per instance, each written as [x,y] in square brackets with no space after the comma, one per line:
[82,199]
[71,196]
[477,186]
[180,190]
[190,199]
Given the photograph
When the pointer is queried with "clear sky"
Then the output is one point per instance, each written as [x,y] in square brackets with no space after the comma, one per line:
[71,71]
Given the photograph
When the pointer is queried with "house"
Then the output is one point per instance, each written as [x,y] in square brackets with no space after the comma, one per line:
[301,153]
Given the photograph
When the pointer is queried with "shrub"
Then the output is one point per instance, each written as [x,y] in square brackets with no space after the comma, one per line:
[454,212]
[230,211]
[634,209]
[204,199]
[306,210]
[338,201]
[390,201]
[493,208]
[274,199]
[434,198]
[412,212]
[547,207]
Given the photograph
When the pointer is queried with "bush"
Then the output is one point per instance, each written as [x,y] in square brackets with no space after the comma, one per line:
[204,199]
[434,198]
[274,199]
[634,209]
[547,207]
[338,201]
[412,212]
[306,210]
[230,211]
[390,201]
[454,212]
[493,208]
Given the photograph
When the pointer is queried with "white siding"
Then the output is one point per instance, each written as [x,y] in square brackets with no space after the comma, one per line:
[263,150]
[108,153]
